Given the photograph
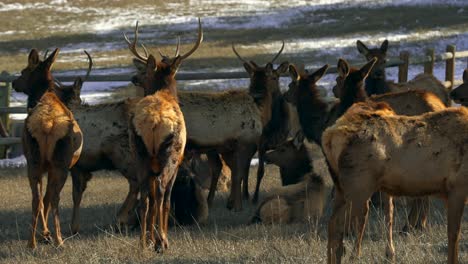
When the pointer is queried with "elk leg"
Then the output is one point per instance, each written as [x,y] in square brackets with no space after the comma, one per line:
[260,173]
[335,248]
[359,213]
[152,209]
[456,204]
[80,180]
[417,217]
[246,158]
[37,206]
[128,204]
[216,167]
[57,178]
[144,215]
[161,241]
[167,206]
[390,249]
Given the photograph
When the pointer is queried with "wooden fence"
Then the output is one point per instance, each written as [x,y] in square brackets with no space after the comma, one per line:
[402,62]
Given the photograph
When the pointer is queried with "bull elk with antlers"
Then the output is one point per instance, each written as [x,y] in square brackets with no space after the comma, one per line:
[52,139]
[234,119]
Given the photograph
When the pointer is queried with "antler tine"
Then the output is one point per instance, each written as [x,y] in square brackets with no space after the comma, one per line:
[279,53]
[237,54]
[90,66]
[132,45]
[199,41]
[178,46]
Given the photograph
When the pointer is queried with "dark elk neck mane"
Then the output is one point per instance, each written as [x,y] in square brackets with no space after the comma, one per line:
[46,85]
[353,92]
[376,85]
[312,110]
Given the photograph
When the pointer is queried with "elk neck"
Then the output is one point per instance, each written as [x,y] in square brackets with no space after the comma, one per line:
[312,111]
[353,92]
[376,85]
[39,88]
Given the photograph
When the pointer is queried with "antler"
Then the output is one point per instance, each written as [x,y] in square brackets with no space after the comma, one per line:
[199,41]
[90,66]
[237,54]
[132,45]
[279,53]
[178,46]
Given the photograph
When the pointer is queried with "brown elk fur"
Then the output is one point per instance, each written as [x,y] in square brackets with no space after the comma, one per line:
[52,141]
[371,148]
[424,82]
[234,120]
[303,201]
[157,141]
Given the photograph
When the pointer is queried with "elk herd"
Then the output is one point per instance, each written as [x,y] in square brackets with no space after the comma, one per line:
[377,136]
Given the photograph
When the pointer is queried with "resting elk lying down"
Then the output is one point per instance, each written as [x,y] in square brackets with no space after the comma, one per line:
[233,119]
[376,82]
[371,148]
[52,141]
[460,94]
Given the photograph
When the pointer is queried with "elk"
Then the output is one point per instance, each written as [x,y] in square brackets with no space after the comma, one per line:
[157,137]
[106,146]
[460,94]
[52,141]
[370,146]
[315,116]
[233,119]
[376,82]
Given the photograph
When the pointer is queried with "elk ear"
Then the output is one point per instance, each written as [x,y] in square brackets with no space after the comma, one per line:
[51,59]
[293,73]
[362,48]
[465,76]
[365,70]
[384,46]
[151,64]
[343,68]
[249,68]
[282,68]
[318,74]
[298,139]
[33,58]
[140,65]
[269,68]
[78,84]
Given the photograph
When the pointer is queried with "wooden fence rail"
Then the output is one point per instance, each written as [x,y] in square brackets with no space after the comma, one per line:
[402,62]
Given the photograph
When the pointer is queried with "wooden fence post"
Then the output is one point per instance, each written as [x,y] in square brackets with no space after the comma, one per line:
[429,66]
[450,66]
[4,102]
[403,68]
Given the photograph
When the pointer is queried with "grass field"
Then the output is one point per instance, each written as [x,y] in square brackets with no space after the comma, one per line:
[224,239]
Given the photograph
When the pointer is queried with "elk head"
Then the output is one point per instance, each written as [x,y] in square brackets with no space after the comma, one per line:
[152,75]
[303,84]
[263,80]
[350,81]
[36,78]
[378,72]
[70,94]
[287,153]
[460,94]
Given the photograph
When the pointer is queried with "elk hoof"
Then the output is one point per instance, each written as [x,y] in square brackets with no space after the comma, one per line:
[46,238]
[161,246]
[31,244]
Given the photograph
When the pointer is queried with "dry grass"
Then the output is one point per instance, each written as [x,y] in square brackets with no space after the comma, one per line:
[225,238]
